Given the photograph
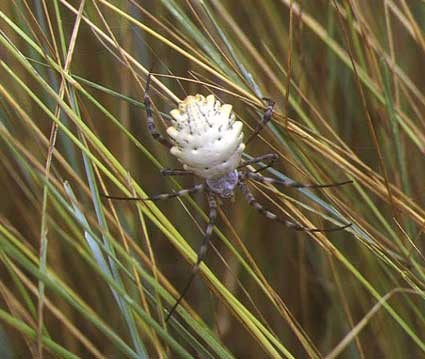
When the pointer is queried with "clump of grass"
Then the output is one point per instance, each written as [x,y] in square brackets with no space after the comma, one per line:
[85,277]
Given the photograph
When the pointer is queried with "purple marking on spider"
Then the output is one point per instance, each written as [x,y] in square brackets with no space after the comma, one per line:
[225,185]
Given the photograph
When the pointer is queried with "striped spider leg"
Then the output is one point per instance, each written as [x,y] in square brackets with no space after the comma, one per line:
[212,215]
[289,183]
[267,116]
[207,140]
[255,176]
[212,204]
[269,158]
[175,172]
[150,120]
[158,197]
[244,176]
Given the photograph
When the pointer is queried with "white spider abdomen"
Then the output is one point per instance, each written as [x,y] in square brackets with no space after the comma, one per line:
[207,139]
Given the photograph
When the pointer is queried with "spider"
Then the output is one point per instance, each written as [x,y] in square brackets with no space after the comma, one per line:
[207,139]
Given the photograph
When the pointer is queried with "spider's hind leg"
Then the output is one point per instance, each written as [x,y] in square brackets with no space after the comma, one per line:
[212,203]
[150,120]
[270,215]
[175,172]
[267,116]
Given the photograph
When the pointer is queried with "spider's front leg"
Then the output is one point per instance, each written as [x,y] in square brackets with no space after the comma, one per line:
[149,118]
[269,158]
[159,197]
[212,203]
[289,183]
[274,217]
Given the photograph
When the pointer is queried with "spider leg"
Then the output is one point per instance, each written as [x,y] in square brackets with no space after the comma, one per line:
[212,203]
[270,215]
[269,158]
[266,118]
[289,183]
[159,197]
[175,172]
[149,118]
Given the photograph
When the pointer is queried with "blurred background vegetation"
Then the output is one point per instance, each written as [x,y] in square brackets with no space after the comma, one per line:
[85,277]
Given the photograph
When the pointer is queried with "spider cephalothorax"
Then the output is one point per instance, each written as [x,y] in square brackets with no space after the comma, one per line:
[207,140]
